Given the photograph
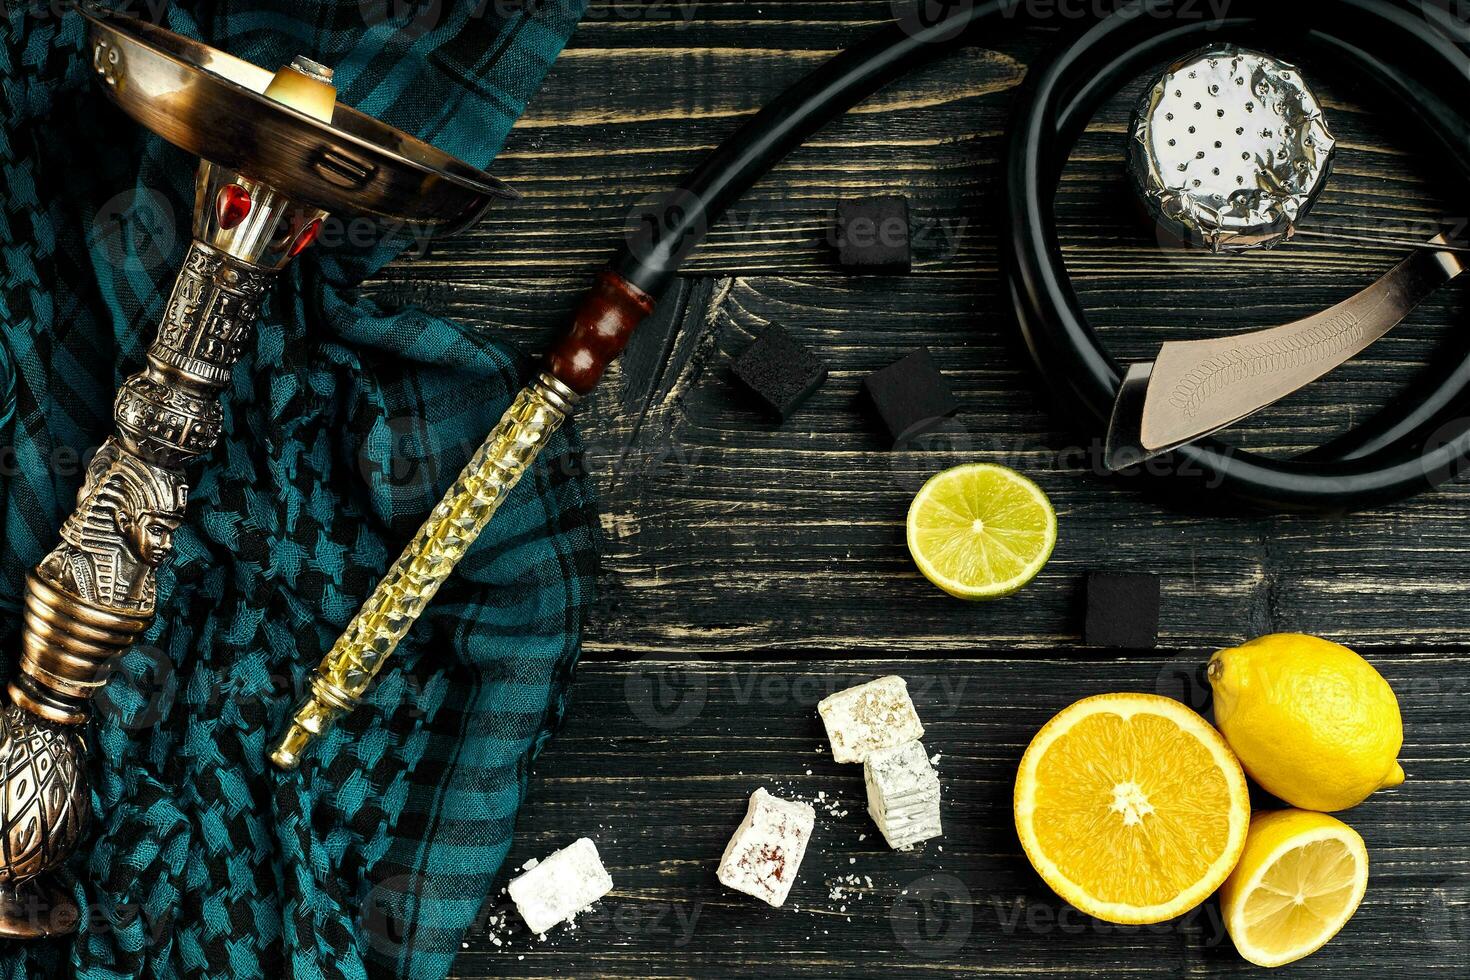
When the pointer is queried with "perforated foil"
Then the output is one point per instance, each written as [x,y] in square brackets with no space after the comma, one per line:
[1230,149]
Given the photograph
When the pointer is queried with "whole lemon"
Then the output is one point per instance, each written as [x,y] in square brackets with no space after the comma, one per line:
[1309,719]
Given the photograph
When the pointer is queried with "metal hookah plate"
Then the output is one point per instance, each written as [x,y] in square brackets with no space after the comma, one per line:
[1229,149]
[213,105]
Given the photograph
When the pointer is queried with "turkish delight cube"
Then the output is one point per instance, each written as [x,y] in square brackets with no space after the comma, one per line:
[764,855]
[875,715]
[903,794]
[560,886]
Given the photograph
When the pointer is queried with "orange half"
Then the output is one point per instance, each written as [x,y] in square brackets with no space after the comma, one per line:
[1131,807]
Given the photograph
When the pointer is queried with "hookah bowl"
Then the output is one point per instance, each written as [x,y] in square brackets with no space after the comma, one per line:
[278,156]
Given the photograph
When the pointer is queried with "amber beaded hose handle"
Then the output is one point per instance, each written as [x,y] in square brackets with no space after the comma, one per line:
[600,330]
[279,157]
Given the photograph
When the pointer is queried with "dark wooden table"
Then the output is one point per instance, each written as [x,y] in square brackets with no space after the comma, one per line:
[750,569]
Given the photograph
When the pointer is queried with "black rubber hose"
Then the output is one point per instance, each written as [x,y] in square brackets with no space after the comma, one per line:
[1063,94]
[1416,57]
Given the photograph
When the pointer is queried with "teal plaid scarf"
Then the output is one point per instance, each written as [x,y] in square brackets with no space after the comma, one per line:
[343,426]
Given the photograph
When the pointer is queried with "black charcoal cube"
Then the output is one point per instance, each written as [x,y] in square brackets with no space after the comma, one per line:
[910,396]
[1122,610]
[779,372]
[872,235]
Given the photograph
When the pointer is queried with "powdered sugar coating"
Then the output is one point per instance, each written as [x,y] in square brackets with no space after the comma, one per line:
[875,715]
[903,794]
[765,853]
[561,885]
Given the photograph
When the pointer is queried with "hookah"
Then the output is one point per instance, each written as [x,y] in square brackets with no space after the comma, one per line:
[278,156]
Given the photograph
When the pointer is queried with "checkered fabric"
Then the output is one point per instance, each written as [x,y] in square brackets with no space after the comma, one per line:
[343,426]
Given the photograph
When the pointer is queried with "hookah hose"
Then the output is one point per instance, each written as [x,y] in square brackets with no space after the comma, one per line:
[1417,55]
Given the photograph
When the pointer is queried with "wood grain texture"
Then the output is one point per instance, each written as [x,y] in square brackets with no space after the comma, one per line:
[658,756]
[727,534]
[732,541]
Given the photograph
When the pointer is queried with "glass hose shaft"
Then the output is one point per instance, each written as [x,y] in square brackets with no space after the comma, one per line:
[348,669]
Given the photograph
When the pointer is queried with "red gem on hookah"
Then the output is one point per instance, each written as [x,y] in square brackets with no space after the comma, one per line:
[307,236]
[232,205]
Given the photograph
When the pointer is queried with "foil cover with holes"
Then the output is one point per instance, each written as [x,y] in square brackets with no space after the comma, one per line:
[1229,149]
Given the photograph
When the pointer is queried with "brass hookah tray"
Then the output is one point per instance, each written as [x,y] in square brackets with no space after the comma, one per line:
[211,104]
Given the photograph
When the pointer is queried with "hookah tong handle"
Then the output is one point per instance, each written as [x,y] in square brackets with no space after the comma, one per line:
[600,330]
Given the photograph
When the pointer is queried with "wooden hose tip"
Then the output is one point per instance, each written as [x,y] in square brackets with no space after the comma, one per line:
[601,328]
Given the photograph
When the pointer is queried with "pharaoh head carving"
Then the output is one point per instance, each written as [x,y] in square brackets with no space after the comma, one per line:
[122,530]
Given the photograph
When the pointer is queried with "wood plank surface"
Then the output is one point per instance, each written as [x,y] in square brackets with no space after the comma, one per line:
[752,568]
[717,520]
[657,758]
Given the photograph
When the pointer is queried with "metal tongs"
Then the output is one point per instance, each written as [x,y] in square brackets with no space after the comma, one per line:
[1230,150]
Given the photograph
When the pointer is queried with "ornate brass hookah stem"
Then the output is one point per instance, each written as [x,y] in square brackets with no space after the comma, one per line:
[91,597]
[600,330]
[278,154]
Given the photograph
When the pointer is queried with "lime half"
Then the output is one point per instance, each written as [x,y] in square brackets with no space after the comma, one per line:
[980,531]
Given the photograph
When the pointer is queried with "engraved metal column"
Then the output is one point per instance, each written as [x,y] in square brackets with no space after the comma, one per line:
[88,600]
[278,154]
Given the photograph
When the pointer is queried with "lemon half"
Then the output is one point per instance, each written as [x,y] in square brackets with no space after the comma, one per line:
[1299,880]
[981,531]
[1131,807]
